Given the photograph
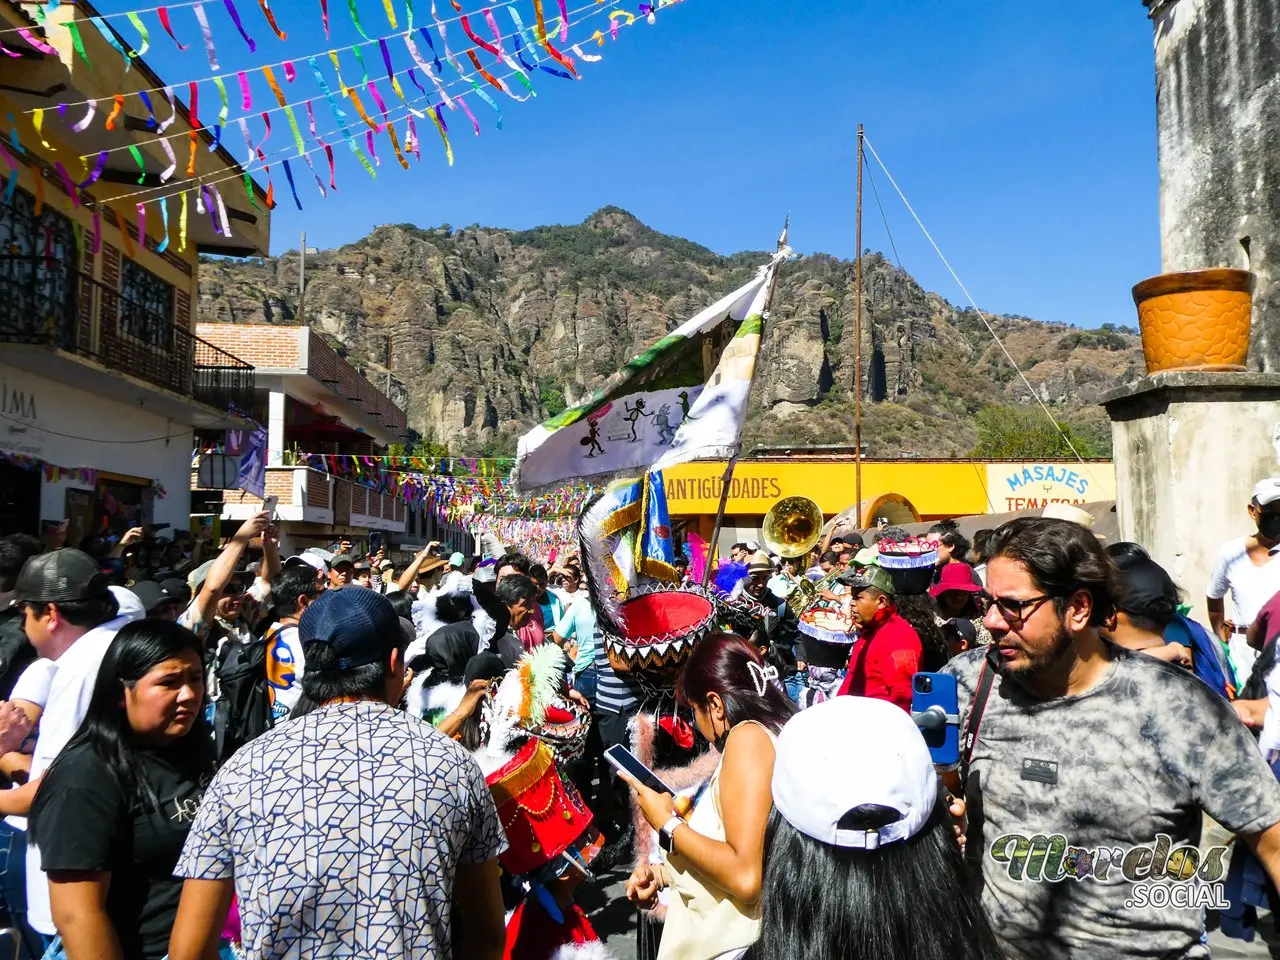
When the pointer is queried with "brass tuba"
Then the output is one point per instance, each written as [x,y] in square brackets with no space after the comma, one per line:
[791,528]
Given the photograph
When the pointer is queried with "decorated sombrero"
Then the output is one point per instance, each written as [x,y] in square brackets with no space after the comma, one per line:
[909,562]
[659,626]
[830,621]
[542,815]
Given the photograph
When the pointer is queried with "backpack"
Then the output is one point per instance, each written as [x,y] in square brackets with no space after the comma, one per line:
[243,708]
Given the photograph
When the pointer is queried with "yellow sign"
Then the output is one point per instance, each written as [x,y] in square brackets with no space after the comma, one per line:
[936,488]
[1028,486]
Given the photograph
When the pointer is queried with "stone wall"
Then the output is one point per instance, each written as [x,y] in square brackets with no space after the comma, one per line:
[1218,110]
[1189,448]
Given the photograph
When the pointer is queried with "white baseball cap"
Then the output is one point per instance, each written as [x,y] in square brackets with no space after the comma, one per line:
[311,560]
[1267,491]
[850,751]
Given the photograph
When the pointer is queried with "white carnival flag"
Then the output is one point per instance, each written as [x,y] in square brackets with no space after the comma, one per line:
[659,410]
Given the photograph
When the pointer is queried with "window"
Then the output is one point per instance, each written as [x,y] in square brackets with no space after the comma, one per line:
[38,283]
[146,306]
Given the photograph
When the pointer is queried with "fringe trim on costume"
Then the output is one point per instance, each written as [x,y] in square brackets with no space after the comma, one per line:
[595,950]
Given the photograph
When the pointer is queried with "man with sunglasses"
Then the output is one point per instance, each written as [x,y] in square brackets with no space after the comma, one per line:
[1087,768]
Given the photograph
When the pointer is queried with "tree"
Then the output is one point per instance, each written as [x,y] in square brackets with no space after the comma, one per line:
[1007,432]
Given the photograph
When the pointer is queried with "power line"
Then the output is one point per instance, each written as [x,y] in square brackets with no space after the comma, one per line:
[987,323]
[884,218]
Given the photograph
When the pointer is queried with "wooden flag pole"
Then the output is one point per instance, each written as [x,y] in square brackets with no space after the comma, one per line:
[726,482]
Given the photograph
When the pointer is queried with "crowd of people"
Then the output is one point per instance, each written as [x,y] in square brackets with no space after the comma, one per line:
[223,750]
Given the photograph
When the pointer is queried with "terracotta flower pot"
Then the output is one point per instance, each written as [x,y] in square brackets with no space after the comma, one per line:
[1197,320]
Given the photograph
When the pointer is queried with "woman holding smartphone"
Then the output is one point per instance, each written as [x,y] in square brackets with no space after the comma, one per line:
[715,854]
[113,811]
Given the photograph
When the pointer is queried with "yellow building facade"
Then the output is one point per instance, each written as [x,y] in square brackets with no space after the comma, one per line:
[899,490]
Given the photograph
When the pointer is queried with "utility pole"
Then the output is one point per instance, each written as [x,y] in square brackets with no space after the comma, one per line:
[302,275]
[857,350]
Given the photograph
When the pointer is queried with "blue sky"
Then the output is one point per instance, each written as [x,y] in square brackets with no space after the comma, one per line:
[1023,133]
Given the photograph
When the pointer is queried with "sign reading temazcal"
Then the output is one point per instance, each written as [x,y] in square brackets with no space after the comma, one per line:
[1029,486]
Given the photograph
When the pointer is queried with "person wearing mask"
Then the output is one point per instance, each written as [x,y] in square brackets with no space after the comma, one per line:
[1249,570]
[114,808]
[71,614]
[294,590]
[714,856]
[888,650]
[354,830]
[861,858]
[1077,737]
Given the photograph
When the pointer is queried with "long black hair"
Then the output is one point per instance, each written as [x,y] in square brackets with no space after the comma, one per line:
[731,668]
[135,650]
[909,899]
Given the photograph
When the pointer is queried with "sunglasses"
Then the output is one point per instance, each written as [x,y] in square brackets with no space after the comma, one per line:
[1014,612]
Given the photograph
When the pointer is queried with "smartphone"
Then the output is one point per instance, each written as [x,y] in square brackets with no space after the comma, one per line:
[269,505]
[935,708]
[375,542]
[627,762]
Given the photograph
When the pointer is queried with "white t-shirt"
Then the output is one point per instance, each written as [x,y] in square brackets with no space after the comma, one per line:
[34,683]
[69,696]
[1250,586]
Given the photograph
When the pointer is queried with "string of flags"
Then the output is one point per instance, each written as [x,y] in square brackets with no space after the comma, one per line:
[410,54]
[451,497]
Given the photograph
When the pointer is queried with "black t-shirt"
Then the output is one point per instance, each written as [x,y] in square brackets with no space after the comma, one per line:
[83,821]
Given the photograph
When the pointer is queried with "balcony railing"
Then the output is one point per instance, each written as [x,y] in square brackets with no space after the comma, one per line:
[48,301]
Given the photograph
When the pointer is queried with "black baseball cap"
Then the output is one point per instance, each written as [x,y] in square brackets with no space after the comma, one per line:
[62,576]
[962,628]
[1149,592]
[360,625]
[340,559]
[153,594]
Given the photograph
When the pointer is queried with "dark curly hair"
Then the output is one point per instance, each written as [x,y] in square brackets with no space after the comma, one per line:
[1062,557]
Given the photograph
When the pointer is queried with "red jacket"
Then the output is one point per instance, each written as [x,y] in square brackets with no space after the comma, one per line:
[883,661]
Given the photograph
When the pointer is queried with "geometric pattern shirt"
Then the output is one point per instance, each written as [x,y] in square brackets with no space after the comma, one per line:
[343,829]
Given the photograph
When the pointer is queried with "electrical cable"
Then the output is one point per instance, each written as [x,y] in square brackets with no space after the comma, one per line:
[986,322]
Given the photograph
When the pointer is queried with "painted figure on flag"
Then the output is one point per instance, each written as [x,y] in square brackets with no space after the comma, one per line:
[675,372]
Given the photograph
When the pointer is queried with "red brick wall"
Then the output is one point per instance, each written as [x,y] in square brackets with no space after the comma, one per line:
[261,344]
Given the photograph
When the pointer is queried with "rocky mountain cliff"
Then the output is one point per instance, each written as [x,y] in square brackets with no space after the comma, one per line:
[493,330]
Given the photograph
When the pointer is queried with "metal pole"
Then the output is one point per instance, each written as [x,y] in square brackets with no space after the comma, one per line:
[302,275]
[857,351]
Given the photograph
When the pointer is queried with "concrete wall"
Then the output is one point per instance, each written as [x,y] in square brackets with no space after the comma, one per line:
[1218,114]
[1188,449]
